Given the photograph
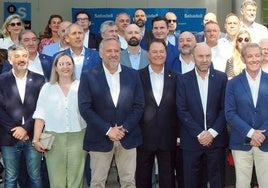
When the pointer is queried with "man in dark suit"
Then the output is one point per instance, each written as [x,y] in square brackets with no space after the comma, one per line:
[91,40]
[160,31]
[111,101]
[140,19]
[41,64]
[159,124]
[134,56]
[19,90]
[200,102]
[246,111]
[38,63]
[84,58]
[184,62]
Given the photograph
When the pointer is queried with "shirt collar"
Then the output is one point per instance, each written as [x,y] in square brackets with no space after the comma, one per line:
[258,77]
[82,53]
[20,78]
[199,75]
[151,71]
[139,52]
[108,72]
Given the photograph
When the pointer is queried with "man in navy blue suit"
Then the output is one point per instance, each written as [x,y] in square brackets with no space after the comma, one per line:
[184,61]
[246,112]
[160,31]
[84,58]
[200,102]
[19,90]
[41,64]
[159,123]
[111,101]
[38,63]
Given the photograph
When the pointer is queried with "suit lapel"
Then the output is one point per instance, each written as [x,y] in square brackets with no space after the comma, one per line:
[211,84]
[147,83]
[103,82]
[142,59]
[244,82]
[29,84]
[123,86]
[262,89]
[195,89]
[166,87]
[13,87]
[126,58]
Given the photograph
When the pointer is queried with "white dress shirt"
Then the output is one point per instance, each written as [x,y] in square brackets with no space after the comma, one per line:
[113,81]
[157,82]
[254,86]
[35,65]
[220,55]
[86,39]
[60,112]
[123,42]
[78,61]
[172,39]
[257,31]
[186,67]
[203,90]
[21,85]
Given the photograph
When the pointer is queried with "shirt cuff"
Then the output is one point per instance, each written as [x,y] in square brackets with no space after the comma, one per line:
[179,140]
[250,133]
[198,136]
[108,131]
[213,132]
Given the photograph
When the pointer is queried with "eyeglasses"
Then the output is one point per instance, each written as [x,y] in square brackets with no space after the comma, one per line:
[14,24]
[243,39]
[169,21]
[82,19]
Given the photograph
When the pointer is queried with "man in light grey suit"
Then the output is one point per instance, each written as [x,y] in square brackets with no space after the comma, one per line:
[134,56]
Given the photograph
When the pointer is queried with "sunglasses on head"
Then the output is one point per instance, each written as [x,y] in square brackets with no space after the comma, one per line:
[243,39]
[14,24]
[169,21]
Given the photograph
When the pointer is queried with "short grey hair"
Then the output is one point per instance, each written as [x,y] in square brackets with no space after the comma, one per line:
[16,47]
[67,30]
[106,40]
[249,45]
[106,24]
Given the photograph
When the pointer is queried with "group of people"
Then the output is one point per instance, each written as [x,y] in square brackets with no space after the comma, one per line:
[134,95]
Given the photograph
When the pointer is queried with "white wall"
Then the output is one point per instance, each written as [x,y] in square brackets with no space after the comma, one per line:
[41,9]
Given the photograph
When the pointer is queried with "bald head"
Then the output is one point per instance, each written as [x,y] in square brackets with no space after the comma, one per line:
[202,58]
[210,17]
[140,18]
[186,43]
[62,27]
[133,35]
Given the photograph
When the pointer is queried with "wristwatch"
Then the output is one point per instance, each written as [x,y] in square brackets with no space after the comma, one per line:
[34,141]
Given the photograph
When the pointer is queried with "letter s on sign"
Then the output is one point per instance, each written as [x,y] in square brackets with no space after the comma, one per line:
[22,12]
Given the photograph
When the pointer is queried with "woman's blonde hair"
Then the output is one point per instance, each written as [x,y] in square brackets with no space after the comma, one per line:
[54,78]
[5,31]
[236,57]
